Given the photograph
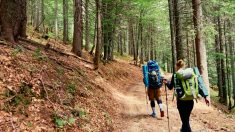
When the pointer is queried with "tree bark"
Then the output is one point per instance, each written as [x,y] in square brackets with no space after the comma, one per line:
[78,30]
[13,19]
[200,46]
[171,19]
[218,65]
[232,61]
[56,18]
[223,98]
[99,35]
[178,39]
[65,19]
[226,30]
[87,25]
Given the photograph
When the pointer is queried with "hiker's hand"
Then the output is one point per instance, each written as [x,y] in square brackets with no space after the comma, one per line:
[207,102]
[164,81]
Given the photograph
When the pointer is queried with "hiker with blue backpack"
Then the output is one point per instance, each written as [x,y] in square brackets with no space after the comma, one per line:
[153,83]
[188,85]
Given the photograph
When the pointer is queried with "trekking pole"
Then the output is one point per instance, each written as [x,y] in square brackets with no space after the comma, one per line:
[146,93]
[167,109]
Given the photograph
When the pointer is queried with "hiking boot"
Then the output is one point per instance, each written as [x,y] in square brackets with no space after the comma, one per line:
[153,115]
[162,113]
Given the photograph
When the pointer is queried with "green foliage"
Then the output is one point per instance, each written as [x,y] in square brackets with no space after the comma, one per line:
[62,121]
[60,70]
[29,124]
[17,50]
[71,88]
[108,118]
[22,98]
[39,56]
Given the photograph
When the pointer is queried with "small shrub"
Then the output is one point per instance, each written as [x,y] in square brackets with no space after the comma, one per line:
[71,88]
[60,70]
[17,50]
[63,121]
[39,56]
[22,98]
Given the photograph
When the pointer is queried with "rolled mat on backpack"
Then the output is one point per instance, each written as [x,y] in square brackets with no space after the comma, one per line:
[145,75]
[200,81]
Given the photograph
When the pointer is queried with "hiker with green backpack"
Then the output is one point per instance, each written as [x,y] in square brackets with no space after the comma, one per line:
[187,86]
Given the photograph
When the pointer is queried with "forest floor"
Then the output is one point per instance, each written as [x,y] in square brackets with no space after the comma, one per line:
[136,113]
[44,90]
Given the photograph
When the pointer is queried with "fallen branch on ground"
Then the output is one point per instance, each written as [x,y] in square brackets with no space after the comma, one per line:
[55,50]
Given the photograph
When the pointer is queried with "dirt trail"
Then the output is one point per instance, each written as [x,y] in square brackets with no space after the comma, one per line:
[135,114]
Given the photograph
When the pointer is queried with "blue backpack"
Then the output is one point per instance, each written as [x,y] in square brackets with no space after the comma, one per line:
[154,75]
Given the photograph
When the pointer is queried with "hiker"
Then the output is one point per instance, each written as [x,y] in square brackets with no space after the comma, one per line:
[153,85]
[184,105]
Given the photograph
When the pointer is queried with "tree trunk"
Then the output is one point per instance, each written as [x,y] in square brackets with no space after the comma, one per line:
[99,35]
[37,15]
[65,19]
[232,62]
[56,18]
[87,25]
[94,39]
[141,44]
[13,19]
[151,44]
[78,31]
[178,39]
[200,46]
[121,43]
[227,64]
[171,19]
[218,65]
[42,16]
[223,98]
[188,49]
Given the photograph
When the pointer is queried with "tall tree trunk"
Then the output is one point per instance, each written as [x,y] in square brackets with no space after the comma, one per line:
[94,39]
[227,63]
[87,25]
[121,43]
[65,19]
[127,42]
[42,17]
[37,15]
[133,43]
[13,10]
[56,18]
[141,44]
[218,65]
[171,19]
[78,31]
[178,39]
[99,35]
[232,61]
[200,46]
[223,99]
[188,49]
[151,44]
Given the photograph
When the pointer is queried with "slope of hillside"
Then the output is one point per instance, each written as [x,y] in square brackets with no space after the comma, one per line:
[45,90]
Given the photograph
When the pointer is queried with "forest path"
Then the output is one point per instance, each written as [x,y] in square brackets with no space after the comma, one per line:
[135,112]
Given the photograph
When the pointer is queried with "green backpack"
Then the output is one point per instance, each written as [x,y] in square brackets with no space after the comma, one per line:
[189,82]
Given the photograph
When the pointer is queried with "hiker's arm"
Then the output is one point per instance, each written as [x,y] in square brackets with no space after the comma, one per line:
[201,92]
[170,84]
[204,95]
